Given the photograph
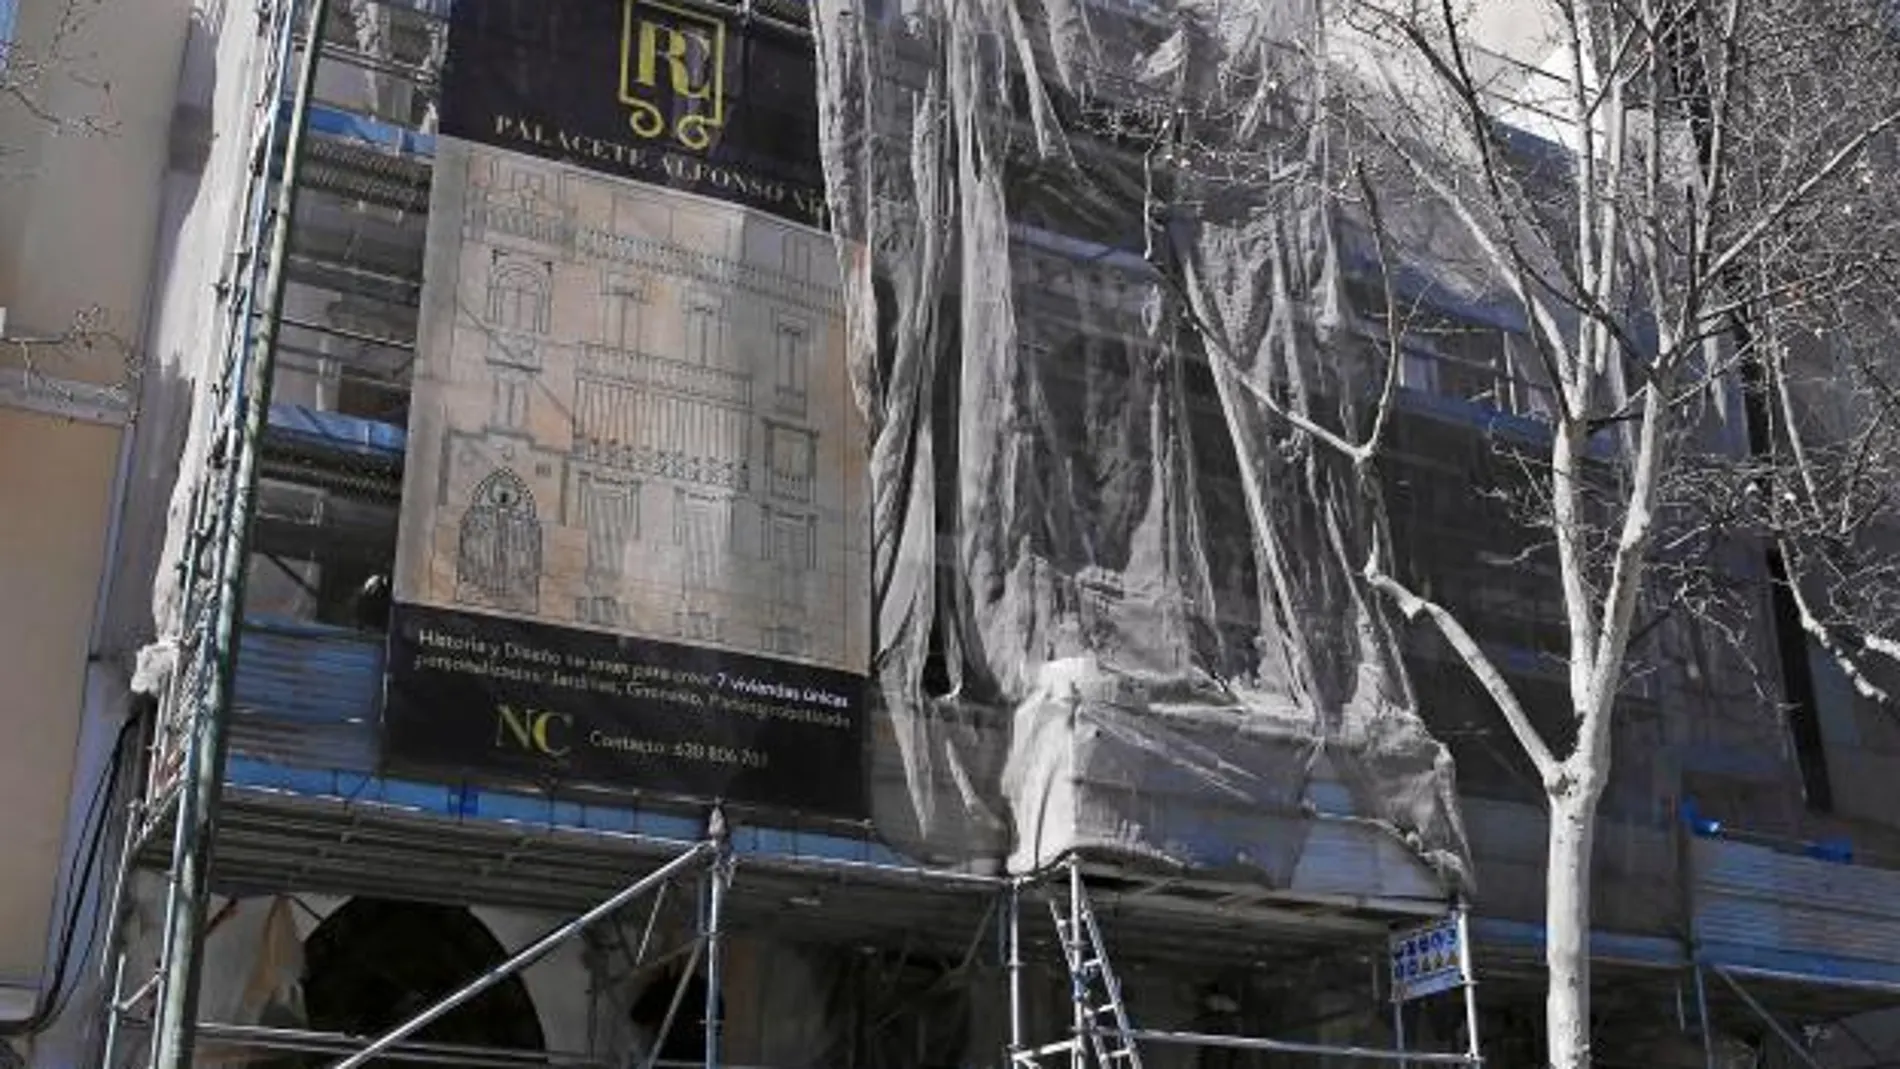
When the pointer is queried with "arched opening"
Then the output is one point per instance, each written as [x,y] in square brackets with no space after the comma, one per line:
[375,963]
[518,298]
[499,550]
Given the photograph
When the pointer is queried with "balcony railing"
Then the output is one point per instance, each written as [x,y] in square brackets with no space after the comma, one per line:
[789,486]
[516,221]
[672,376]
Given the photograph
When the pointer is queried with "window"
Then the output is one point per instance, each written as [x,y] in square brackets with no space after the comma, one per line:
[702,329]
[371,398]
[605,418]
[791,355]
[790,541]
[625,300]
[789,463]
[1418,371]
[1529,397]
[1477,364]
[599,610]
[797,260]
[528,183]
[509,400]
[789,639]
[702,526]
[610,512]
[518,297]
[1453,354]
[791,547]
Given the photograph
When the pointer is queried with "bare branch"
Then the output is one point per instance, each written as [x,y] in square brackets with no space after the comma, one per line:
[1388,391]
[1787,202]
[1479,663]
[1509,260]
[1827,640]
[27,75]
[88,335]
[1626,574]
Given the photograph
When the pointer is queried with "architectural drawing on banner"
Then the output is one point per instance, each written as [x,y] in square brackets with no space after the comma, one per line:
[702,532]
[790,540]
[521,206]
[517,311]
[662,377]
[791,364]
[498,557]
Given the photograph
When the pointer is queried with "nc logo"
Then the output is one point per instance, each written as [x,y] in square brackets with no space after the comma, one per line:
[534,730]
[672,62]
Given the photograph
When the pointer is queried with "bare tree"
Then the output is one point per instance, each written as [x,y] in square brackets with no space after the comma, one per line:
[1685,251]
[1691,206]
[1682,201]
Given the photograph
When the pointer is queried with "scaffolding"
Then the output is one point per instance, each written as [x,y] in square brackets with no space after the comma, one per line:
[186,777]
[1097,1038]
[265,473]
[1102,1031]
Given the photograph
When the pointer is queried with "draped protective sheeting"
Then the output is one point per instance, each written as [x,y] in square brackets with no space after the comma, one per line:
[1090,261]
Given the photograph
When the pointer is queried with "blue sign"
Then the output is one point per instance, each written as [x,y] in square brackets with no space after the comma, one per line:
[1427,960]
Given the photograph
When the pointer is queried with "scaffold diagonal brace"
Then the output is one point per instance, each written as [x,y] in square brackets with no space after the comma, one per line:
[699,853]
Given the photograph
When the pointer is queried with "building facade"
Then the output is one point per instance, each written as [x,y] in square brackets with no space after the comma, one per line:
[508,387]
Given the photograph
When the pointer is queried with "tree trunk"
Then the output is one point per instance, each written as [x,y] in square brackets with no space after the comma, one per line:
[1567,924]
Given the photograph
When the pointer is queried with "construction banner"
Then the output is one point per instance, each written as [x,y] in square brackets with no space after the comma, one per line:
[667,93]
[634,539]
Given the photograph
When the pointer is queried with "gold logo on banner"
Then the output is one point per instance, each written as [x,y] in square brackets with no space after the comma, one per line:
[532,729]
[670,55]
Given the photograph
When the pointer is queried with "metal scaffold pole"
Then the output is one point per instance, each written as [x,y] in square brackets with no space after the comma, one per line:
[1015,967]
[115,925]
[1398,1029]
[1795,1047]
[1702,1017]
[147,814]
[1102,1033]
[1072,947]
[673,1007]
[721,875]
[183,947]
[1473,1046]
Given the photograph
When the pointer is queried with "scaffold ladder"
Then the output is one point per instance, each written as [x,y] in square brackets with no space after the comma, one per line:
[1103,1035]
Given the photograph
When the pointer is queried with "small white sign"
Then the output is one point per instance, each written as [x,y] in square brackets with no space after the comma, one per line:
[1426,960]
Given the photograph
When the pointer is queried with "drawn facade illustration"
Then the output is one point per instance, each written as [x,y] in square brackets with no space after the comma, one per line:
[643,417]
[498,552]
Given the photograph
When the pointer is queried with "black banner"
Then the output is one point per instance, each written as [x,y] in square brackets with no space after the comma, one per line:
[492,697]
[657,90]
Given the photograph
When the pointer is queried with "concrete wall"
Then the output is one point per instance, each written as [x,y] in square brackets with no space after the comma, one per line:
[78,218]
[54,482]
